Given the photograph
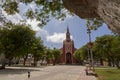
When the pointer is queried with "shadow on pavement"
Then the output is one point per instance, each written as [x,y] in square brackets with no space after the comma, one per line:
[15,71]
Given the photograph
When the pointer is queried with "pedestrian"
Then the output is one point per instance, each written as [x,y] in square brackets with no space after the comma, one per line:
[86,71]
[28,74]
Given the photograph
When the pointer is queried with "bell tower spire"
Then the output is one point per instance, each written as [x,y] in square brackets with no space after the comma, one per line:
[68,29]
[68,34]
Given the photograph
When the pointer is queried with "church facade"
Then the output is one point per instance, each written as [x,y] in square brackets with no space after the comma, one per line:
[67,50]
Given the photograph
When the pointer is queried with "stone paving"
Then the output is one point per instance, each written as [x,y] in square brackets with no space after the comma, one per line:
[58,72]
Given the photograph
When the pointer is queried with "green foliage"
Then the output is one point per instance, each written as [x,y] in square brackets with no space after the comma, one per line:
[78,54]
[116,45]
[107,48]
[30,14]
[102,46]
[56,54]
[37,49]
[82,53]
[16,40]
[3,19]
[52,54]
[43,12]
[26,1]
[94,23]
[108,73]
[99,47]
[11,7]
[48,54]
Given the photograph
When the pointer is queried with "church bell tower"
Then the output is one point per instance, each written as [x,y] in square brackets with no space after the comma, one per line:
[68,50]
[68,35]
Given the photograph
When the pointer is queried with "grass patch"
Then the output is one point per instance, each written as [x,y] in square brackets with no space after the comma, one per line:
[108,73]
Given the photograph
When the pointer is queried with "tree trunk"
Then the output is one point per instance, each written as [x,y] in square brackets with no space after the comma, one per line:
[113,63]
[3,64]
[117,64]
[24,62]
[54,62]
[10,62]
[101,62]
[35,62]
[109,62]
[25,58]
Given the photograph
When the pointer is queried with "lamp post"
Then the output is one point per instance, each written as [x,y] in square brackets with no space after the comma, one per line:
[90,47]
[88,54]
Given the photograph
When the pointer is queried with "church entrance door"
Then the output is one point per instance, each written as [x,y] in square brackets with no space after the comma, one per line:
[68,58]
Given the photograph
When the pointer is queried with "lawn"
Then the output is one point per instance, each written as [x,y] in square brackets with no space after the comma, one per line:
[108,73]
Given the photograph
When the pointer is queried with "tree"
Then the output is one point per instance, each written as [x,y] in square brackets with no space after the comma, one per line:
[94,23]
[56,55]
[115,49]
[81,54]
[78,55]
[102,48]
[44,9]
[107,48]
[48,54]
[37,50]
[2,18]
[99,48]
[15,41]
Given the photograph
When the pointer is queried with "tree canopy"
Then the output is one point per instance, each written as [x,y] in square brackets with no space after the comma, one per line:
[56,55]
[43,10]
[18,40]
[107,48]
[94,23]
[37,50]
[81,54]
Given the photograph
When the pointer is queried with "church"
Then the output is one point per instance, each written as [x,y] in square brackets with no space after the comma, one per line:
[67,50]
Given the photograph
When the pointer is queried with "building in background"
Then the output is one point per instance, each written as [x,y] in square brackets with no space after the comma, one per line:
[67,50]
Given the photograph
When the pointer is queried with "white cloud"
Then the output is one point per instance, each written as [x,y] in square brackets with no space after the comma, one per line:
[34,24]
[16,18]
[56,37]
[42,33]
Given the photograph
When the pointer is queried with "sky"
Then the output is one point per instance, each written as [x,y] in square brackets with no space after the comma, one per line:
[54,32]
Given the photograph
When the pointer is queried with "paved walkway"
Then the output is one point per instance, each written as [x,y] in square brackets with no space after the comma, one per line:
[61,72]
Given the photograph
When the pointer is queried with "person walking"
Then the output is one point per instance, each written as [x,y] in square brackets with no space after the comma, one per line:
[28,74]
